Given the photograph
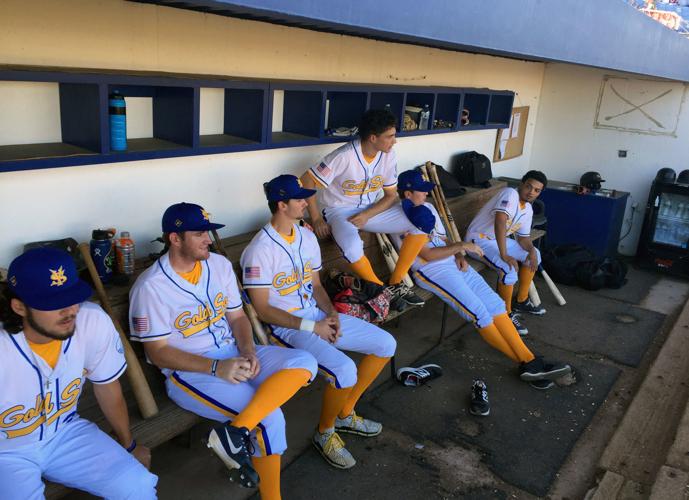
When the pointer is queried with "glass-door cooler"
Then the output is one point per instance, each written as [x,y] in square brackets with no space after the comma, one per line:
[664,242]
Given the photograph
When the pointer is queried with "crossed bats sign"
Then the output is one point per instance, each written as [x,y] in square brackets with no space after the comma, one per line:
[637,107]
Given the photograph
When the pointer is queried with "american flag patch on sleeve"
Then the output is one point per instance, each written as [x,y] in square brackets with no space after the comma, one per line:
[504,203]
[140,324]
[323,169]
[252,272]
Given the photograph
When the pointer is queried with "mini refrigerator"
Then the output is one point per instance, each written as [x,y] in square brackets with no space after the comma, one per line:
[664,242]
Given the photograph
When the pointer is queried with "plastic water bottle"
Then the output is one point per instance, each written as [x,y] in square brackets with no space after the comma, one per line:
[680,210]
[424,117]
[101,253]
[124,252]
[117,110]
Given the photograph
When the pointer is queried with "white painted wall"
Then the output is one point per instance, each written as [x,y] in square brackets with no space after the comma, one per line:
[55,203]
[566,144]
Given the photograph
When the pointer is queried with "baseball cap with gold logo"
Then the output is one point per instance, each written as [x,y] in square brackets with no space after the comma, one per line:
[46,279]
[182,217]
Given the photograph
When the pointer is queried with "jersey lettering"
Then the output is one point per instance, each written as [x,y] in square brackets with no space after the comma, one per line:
[353,188]
[286,284]
[190,323]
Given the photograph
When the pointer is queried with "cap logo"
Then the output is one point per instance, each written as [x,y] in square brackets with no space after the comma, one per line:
[206,215]
[13,280]
[57,277]
[299,182]
[178,223]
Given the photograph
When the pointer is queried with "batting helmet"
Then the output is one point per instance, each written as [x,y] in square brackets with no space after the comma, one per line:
[666,176]
[683,177]
[591,180]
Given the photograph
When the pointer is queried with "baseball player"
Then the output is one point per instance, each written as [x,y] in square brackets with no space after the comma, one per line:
[187,310]
[442,269]
[281,273]
[352,177]
[510,213]
[51,341]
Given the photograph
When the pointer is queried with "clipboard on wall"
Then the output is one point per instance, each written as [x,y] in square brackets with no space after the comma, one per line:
[509,142]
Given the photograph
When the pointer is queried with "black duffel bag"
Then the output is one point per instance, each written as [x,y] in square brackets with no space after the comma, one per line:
[472,169]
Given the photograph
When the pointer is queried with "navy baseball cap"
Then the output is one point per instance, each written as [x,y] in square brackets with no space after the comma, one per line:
[420,215]
[286,187]
[412,180]
[46,279]
[182,217]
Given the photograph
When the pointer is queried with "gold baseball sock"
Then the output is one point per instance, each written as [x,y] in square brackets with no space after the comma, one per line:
[525,278]
[411,246]
[333,401]
[505,292]
[366,373]
[363,269]
[268,469]
[270,395]
[511,336]
[491,335]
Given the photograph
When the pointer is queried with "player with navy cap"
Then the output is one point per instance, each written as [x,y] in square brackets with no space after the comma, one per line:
[51,341]
[442,269]
[187,310]
[352,179]
[281,273]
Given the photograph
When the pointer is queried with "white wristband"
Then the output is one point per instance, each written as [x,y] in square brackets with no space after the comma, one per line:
[307,325]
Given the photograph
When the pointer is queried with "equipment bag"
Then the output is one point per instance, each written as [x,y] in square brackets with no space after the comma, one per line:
[561,262]
[472,169]
[448,182]
[356,297]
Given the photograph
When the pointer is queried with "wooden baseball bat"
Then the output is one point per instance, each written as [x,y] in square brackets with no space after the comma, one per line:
[391,256]
[142,391]
[256,324]
[436,201]
[533,295]
[553,288]
[441,194]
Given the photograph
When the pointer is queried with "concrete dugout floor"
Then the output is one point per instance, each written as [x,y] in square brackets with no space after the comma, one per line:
[533,444]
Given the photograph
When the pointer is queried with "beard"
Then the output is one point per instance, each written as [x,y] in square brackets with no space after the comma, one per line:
[31,320]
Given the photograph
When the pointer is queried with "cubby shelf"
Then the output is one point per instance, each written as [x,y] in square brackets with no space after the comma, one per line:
[248,114]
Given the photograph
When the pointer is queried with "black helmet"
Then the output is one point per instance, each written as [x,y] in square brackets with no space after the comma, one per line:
[591,180]
[666,176]
[683,177]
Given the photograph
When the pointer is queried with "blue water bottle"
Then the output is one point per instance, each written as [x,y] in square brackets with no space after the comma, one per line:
[102,253]
[117,109]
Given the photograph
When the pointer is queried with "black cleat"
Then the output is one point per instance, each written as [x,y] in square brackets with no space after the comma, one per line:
[414,377]
[521,329]
[479,399]
[234,447]
[536,369]
[528,307]
[402,293]
[542,385]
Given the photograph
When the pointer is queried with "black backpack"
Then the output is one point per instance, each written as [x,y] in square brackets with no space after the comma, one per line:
[574,264]
[472,169]
[450,185]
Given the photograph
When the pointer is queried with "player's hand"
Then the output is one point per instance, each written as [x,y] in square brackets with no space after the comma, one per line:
[321,228]
[255,366]
[462,263]
[143,455]
[510,261]
[327,329]
[532,261]
[234,370]
[336,316]
[472,248]
[359,220]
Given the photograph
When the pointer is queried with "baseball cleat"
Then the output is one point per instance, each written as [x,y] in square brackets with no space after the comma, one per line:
[414,377]
[521,329]
[234,447]
[542,385]
[402,293]
[479,406]
[528,307]
[536,369]
[330,445]
[354,424]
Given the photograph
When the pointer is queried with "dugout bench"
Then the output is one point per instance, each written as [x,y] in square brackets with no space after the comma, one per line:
[171,420]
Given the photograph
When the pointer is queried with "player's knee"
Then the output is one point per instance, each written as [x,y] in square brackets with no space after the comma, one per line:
[134,483]
[354,251]
[386,345]
[302,359]
[510,278]
[344,372]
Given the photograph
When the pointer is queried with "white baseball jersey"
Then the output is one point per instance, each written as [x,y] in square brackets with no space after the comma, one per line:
[163,305]
[350,181]
[269,261]
[37,401]
[519,216]
[436,240]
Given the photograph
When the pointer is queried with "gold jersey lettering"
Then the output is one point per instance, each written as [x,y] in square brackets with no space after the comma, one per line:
[354,188]
[191,322]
